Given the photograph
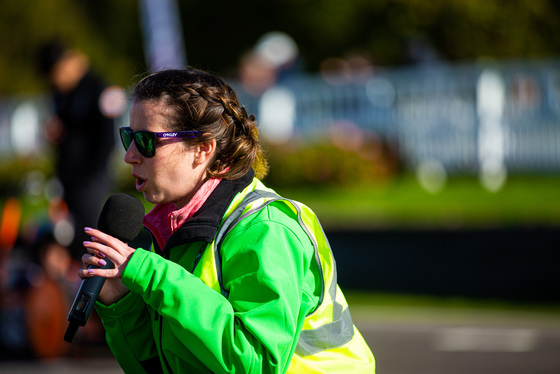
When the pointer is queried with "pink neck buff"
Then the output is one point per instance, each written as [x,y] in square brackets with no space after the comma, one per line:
[163,220]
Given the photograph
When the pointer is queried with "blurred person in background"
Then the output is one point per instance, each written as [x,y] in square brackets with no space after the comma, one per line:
[82,133]
[238,279]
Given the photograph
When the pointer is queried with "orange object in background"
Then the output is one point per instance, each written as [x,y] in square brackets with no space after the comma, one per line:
[9,223]
[46,309]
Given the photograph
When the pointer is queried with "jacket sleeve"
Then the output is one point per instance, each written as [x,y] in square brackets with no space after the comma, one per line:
[129,337]
[264,266]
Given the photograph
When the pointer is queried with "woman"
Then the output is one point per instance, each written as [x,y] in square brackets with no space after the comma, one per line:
[238,278]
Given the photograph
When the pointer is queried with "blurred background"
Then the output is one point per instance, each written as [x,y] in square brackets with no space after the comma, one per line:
[425,134]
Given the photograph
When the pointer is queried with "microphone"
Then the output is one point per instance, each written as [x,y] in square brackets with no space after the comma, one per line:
[121,217]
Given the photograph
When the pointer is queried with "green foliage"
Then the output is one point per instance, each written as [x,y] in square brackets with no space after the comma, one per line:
[14,170]
[327,164]
[525,200]
[219,32]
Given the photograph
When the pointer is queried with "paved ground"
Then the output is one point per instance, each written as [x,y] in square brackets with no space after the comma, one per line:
[461,341]
[409,340]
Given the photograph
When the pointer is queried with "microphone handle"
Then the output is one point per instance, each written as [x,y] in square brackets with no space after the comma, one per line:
[85,301]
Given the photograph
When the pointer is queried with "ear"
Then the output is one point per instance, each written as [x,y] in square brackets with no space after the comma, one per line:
[205,151]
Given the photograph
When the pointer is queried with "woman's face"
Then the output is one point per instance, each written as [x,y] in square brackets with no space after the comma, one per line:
[173,174]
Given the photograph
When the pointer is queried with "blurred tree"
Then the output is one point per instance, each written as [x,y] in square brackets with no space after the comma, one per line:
[387,30]
[107,31]
[218,32]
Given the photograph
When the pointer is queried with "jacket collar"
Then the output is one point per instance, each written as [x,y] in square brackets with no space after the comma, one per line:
[204,224]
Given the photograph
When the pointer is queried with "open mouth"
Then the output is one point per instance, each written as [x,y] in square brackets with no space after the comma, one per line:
[140,184]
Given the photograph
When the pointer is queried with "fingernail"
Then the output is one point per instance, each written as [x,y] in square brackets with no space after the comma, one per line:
[101,262]
[87,229]
[90,270]
[87,243]
[100,254]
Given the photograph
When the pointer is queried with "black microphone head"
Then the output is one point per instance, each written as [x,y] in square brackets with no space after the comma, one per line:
[121,217]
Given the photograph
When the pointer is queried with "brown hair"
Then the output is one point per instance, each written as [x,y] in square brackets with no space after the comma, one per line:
[201,101]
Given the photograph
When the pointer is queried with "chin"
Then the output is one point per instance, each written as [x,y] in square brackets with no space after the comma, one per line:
[151,198]
[155,199]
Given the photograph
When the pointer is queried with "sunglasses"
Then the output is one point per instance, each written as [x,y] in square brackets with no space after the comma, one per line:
[146,140]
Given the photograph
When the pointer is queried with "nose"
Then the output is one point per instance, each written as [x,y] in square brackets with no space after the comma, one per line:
[132,156]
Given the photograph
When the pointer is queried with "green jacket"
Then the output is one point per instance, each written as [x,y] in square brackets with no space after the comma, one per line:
[172,320]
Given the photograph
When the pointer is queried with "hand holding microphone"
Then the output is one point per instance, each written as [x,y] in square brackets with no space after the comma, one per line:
[120,221]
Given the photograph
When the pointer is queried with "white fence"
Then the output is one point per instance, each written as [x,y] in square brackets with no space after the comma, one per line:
[464,118]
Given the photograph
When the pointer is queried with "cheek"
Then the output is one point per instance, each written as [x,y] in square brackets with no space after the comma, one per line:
[173,169]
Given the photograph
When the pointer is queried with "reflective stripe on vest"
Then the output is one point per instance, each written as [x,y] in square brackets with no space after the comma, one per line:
[330,324]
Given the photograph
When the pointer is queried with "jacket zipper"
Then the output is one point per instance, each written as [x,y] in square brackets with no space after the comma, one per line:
[198,256]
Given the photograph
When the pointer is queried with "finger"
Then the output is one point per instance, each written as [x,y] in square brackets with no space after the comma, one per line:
[95,248]
[99,251]
[98,235]
[95,252]
[105,273]
[84,273]
[90,260]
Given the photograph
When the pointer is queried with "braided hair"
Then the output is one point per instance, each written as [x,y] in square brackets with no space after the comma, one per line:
[201,101]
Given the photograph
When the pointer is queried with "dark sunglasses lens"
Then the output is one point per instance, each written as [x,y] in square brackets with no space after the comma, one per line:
[145,143]
[126,137]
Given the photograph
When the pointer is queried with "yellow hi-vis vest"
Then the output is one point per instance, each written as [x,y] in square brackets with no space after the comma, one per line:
[329,341]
